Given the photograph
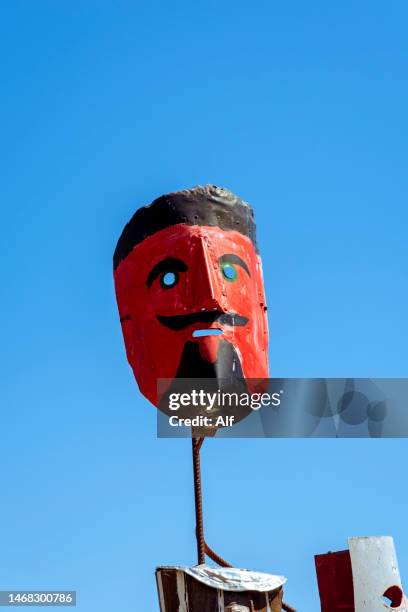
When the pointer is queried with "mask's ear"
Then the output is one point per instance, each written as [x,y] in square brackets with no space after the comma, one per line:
[128,331]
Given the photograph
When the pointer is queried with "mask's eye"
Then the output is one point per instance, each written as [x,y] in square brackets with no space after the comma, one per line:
[169,279]
[229,272]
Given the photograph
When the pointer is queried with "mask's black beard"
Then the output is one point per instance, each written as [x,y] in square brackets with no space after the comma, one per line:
[227,365]
[225,375]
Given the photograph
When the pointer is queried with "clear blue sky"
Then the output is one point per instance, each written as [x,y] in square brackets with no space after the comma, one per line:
[301,108]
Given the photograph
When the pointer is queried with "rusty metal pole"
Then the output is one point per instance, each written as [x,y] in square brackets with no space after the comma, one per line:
[198,498]
[202,546]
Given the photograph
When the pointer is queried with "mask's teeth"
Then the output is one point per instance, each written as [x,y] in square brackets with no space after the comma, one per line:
[200,333]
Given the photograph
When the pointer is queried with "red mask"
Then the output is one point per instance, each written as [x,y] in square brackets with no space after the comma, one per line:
[182,273]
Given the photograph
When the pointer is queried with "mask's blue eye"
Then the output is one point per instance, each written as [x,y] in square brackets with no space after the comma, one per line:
[229,272]
[169,279]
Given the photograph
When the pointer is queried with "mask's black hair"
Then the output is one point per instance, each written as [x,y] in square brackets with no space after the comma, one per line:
[207,205]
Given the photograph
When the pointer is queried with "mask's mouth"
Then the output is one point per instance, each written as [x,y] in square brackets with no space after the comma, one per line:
[202,333]
[178,322]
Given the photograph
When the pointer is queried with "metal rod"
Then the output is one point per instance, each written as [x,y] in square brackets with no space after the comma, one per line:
[216,558]
[202,546]
[198,498]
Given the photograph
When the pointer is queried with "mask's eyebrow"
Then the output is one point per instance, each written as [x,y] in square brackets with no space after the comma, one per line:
[170,264]
[233,259]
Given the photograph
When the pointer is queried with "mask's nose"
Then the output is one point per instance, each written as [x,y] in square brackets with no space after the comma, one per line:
[207,291]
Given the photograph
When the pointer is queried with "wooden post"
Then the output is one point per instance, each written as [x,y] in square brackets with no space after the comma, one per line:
[180,592]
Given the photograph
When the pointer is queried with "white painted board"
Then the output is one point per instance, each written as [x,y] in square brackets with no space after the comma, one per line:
[375,570]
